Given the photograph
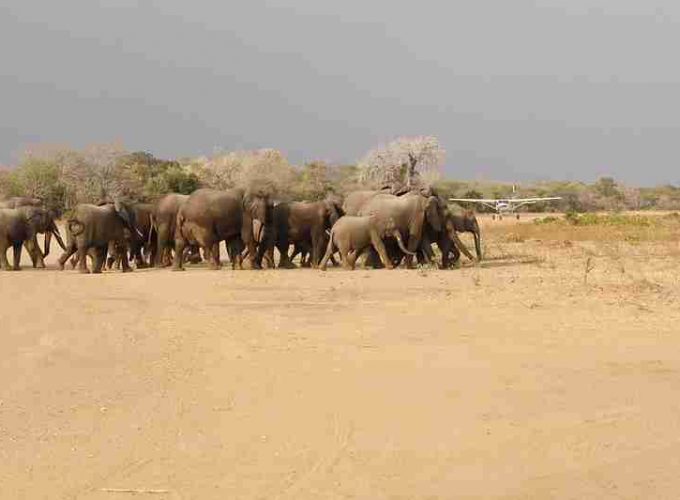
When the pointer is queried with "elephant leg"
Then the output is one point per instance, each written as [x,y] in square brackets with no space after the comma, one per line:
[17,256]
[178,262]
[124,262]
[347,255]
[82,259]
[379,246]
[4,264]
[70,250]
[285,261]
[215,256]
[269,256]
[99,258]
[136,251]
[33,250]
[412,246]
[373,259]
[317,244]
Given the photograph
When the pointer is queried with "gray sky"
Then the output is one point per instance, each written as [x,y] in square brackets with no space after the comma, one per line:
[515,90]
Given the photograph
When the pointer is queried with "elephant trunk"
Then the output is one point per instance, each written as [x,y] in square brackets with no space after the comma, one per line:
[48,239]
[400,242]
[459,244]
[55,230]
[478,244]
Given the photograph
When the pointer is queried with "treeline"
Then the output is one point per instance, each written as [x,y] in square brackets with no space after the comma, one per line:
[65,177]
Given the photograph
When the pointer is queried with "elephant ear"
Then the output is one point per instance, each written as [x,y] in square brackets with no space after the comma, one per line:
[124,213]
[433,213]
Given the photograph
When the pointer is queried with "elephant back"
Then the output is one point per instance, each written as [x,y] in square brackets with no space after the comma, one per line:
[355,200]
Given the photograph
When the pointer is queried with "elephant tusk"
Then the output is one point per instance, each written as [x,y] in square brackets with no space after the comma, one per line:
[400,242]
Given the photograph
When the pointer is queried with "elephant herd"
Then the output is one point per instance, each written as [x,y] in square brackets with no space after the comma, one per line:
[390,229]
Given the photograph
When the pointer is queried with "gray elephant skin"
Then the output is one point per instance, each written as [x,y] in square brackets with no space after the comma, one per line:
[164,220]
[20,227]
[351,235]
[410,213]
[93,228]
[210,216]
[303,224]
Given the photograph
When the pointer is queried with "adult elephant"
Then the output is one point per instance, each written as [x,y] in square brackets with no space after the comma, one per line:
[210,216]
[355,200]
[303,224]
[20,226]
[410,213]
[93,228]
[143,240]
[164,220]
[21,201]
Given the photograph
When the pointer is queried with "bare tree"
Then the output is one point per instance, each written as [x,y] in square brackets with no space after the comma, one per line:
[97,174]
[403,161]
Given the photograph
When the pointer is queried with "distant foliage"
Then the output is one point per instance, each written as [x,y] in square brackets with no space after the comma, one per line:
[243,168]
[407,161]
[63,177]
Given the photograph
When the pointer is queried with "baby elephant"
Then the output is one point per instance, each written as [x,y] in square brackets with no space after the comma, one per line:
[351,235]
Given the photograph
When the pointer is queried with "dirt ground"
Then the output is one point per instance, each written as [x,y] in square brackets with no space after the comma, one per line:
[524,377]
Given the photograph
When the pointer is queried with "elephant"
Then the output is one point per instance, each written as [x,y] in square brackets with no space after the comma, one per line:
[355,200]
[465,223]
[21,201]
[93,228]
[354,234]
[302,223]
[20,226]
[447,240]
[139,242]
[164,220]
[210,216]
[410,212]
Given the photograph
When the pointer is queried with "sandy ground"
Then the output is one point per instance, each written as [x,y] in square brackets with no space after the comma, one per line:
[514,379]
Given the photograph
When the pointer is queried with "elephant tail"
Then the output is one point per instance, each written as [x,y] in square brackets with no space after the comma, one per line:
[329,252]
[75,227]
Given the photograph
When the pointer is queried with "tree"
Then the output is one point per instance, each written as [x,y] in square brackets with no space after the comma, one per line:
[313,181]
[606,186]
[97,173]
[403,161]
[265,167]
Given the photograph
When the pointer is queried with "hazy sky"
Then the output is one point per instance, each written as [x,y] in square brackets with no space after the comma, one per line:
[515,90]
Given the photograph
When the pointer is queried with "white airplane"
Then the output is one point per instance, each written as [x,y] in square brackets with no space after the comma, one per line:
[505,205]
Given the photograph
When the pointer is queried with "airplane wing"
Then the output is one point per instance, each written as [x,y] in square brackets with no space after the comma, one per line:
[473,200]
[533,200]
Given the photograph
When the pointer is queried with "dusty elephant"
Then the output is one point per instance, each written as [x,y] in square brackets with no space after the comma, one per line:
[410,212]
[210,216]
[20,227]
[447,239]
[164,220]
[302,224]
[351,235]
[465,223]
[93,228]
